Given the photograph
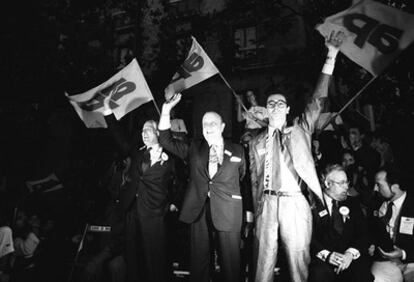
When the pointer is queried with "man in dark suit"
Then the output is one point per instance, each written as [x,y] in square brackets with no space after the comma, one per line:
[281,162]
[396,218]
[340,238]
[144,199]
[213,201]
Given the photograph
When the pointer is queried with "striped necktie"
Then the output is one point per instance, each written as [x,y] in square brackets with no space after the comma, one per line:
[213,161]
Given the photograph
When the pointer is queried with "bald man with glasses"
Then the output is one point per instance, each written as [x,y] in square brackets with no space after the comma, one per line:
[281,165]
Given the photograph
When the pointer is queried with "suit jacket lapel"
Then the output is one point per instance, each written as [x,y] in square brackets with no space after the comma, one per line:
[260,146]
[140,159]
[204,152]
[324,215]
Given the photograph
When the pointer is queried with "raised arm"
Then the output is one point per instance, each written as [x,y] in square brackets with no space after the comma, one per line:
[175,146]
[315,105]
[240,116]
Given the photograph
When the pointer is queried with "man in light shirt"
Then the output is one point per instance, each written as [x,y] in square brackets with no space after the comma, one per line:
[281,163]
[396,216]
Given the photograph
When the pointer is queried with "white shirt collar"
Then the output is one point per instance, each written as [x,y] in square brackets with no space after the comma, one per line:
[219,143]
[328,201]
[398,202]
[284,129]
[154,147]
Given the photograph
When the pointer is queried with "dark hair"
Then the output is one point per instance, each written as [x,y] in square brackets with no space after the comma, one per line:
[278,92]
[393,175]
[362,130]
[350,152]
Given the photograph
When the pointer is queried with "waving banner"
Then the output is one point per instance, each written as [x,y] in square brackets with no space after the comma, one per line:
[196,68]
[48,184]
[375,33]
[126,91]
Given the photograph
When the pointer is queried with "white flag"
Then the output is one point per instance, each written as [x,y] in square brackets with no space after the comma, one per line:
[375,33]
[48,184]
[196,68]
[127,89]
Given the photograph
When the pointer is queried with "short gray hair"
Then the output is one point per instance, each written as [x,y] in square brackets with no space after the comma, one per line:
[331,168]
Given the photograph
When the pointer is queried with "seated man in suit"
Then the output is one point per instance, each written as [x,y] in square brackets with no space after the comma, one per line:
[396,217]
[339,241]
[213,201]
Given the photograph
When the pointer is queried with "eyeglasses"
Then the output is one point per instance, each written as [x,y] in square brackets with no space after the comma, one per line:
[279,104]
[341,183]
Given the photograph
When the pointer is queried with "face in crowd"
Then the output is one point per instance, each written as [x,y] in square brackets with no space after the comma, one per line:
[355,137]
[277,109]
[337,185]
[213,127]
[251,98]
[347,160]
[150,133]
[383,186]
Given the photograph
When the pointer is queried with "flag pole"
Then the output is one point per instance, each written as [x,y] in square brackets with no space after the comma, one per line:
[156,106]
[232,90]
[348,103]
[75,261]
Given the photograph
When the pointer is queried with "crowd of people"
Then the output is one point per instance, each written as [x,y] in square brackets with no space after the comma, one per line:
[300,200]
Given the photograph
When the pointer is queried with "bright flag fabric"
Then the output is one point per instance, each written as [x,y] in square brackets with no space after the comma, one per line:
[127,89]
[374,33]
[48,184]
[196,68]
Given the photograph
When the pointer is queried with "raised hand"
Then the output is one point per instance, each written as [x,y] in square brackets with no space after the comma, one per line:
[335,39]
[169,104]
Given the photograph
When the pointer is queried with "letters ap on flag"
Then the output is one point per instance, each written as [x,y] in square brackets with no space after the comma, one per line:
[374,33]
[196,68]
[127,90]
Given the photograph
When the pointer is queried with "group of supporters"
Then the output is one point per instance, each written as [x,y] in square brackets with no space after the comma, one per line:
[288,183]
[303,192]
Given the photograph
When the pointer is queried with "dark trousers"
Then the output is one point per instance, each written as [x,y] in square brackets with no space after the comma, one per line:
[146,249]
[203,235]
[152,233]
[358,271]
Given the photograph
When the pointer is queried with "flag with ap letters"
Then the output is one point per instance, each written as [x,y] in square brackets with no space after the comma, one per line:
[196,68]
[374,33]
[127,90]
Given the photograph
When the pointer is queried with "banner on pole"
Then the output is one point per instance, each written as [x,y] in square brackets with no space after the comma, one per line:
[48,184]
[126,91]
[374,33]
[196,68]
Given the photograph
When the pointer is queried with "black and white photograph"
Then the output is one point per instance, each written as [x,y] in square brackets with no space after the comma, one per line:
[207,141]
